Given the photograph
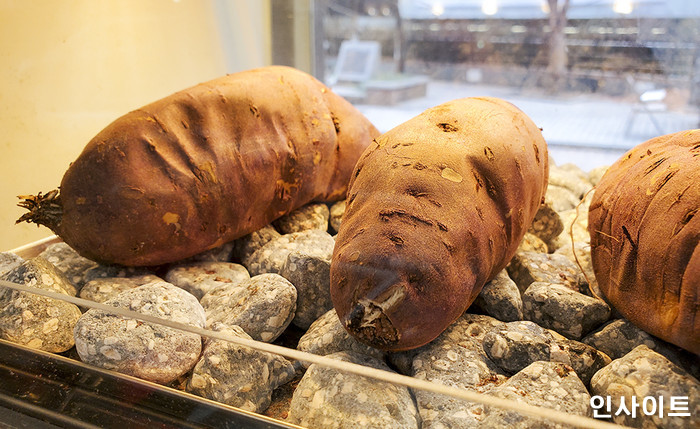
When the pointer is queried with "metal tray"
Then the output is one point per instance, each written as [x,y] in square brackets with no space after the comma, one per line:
[44,390]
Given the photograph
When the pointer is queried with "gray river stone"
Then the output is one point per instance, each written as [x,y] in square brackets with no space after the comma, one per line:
[551,385]
[106,288]
[528,267]
[457,359]
[326,336]
[69,262]
[262,305]
[500,298]
[237,375]
[271,257]
[311,276]
[246,246]
[337,211]
[310,216]
[651,379]
[33,320]
[570,313]
[328,398]
[619,337]
[519,344]
[146,350]
[9,261]
[198,278]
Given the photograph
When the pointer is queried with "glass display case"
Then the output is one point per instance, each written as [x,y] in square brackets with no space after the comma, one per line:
[598,78]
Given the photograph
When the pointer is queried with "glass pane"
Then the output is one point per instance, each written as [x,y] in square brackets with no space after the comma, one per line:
[597,77]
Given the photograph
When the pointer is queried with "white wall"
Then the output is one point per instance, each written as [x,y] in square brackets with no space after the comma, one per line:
[70,67]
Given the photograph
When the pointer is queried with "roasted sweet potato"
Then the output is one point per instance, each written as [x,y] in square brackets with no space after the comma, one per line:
[436,208]
[644,227]
[204,166]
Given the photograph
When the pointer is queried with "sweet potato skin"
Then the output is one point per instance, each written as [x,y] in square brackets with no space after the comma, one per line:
[645,233]
[209,164]
[436,208]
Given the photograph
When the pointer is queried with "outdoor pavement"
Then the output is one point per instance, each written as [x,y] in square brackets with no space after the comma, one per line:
[587,130]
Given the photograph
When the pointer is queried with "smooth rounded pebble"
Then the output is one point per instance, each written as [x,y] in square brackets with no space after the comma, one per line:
[310,216]
[561,309]
[246,246]
[336,214]
[328,398]
[9,261]
[649,377]
[311,276]
[528,267]
[326,336]
[33,320]
[146,350]
[198,278]
[551,385]
[237,375]
[547,223]
[69,262]
[500,298]
[271,257]
[106,288]
[455,358]
[519,344]
[262,305]
[102,271]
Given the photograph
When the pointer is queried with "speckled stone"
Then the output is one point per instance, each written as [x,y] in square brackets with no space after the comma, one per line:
[310,216]
[563,310]
[644,373]
[246,246]
[528,267]
[456,358]
[573,169]
[327,398]
[221,253]
[583,261]
[311,276]
[575,181]
[236,375]
[36,321]
[579,220]
[619,337]
[102,271]
[519,344]
[103,289]
[561,199]
[271,257]
[597,173]
[336,214]
[69,262]
[262,305]
[500,298]
[327,336]
[198,278]
[532,243]
[551,385]
[145,350]
[9,261]
[547,224]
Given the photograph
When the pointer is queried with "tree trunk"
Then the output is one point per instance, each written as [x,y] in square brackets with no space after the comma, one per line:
[558,56]
[399,39]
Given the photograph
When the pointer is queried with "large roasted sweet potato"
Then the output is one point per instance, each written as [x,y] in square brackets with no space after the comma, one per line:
[436,208]
[645,229]
[204,166]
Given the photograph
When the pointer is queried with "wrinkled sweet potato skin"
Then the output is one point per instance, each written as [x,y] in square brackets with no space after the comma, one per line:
[209,164]
[644,233]
[436,208]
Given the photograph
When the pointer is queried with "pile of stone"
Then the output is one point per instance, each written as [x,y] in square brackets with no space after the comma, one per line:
[538,333]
